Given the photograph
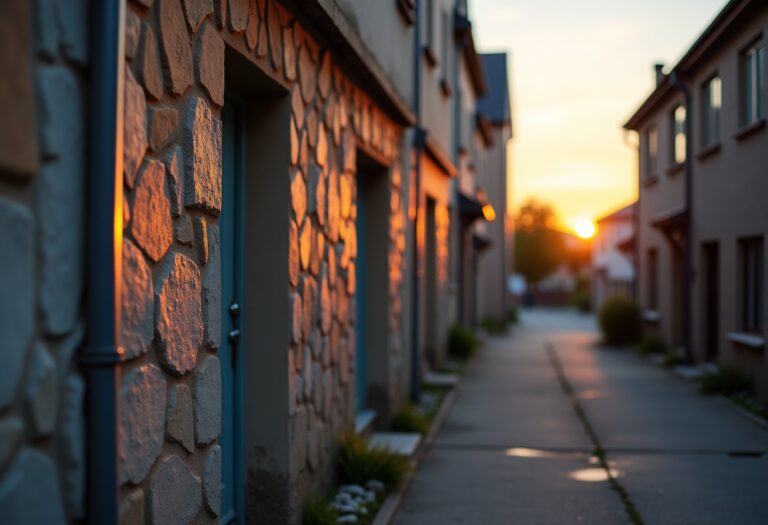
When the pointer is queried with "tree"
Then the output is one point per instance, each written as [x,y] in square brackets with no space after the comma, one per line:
[539,247]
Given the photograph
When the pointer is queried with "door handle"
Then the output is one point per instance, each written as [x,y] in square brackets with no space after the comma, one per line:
[234,310]
[234,336]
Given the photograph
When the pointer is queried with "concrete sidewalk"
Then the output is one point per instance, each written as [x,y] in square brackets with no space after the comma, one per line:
[514,450]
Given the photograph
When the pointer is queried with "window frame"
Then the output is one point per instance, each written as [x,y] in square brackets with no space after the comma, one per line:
[751,284]
[651,154]
[710,112]
[752,82]
[678,129]
[653,279]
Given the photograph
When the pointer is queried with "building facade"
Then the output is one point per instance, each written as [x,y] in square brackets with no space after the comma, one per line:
[702,223]
[613,269]
[214,215]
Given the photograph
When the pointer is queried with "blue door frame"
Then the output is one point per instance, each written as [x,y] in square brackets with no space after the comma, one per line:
[231,232]
[361,313]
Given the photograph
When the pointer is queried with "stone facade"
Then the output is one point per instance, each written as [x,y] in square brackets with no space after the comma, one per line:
[42,193]
[171,393]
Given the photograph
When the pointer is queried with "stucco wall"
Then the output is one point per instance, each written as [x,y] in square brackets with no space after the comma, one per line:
[44,57]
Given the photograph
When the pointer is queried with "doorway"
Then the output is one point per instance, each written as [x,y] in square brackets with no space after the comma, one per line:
[230,236]
[711,270]
[372,279]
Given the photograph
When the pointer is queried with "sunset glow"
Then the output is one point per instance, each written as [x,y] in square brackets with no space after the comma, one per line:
[585,228]
[570,101]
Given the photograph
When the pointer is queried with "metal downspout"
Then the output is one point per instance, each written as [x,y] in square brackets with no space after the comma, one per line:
[419,139]
[102,352]
[688,255]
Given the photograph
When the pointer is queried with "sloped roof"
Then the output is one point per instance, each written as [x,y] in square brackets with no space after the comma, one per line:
[495,104]
[624,214]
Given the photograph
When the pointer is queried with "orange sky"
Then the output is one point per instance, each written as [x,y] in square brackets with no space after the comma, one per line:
[579,69]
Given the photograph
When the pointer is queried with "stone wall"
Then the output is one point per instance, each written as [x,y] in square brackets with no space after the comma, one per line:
[43,59]
[174,90]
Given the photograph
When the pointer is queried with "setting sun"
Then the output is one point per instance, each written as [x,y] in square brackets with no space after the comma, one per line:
[585,228]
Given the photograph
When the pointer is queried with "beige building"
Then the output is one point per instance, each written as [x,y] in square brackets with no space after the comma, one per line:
[613,269]
[702,178]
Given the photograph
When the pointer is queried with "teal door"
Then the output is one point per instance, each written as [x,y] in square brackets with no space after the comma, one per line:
[361,298]
[230,231]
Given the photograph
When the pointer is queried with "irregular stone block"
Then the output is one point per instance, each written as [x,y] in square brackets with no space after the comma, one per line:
[179,324]
[163,124]
[201,239]
[142,421]
[307,75]
[11,432]
[296,318]
[174,165]
[202,143]
[60,194]
[72,446]
[132,34]
[209,63]
[297,107]
[312,128]
[175,495]
[252,29]
[29,492]
[137,302]
[326,306]
[305,244]
[238,15]
[333,212]
[293,255]
[175,47]
[184,233]
[324,83]
[46,29]
[150,72]
[299,197]
[17,302]
[134,128]
[212,481]
[212,292]
[132,508]
[274,33]
[151,225]
[207,400]
[289,54]
[40,398]
[196,11]
[18,135]
[180,427]
[309,303]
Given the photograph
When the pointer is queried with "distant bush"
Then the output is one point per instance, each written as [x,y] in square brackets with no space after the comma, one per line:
[410,419]
[462,342]
[494,326]
[726,381]
[359,462]
[620,321]
[672,359]
[652,344]
[319,512]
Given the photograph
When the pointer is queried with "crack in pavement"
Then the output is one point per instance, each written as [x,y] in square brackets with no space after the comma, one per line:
[599,452]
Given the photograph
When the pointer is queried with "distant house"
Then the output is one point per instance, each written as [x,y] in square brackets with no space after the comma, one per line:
[702,210]
[613,270]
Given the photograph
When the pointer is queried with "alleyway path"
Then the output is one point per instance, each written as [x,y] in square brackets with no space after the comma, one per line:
[515,449]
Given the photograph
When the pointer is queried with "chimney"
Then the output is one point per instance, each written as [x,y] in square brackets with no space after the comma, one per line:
[660,76]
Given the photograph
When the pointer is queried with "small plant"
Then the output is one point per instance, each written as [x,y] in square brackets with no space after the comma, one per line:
[319,511]
[410,419]
[620,321]
[359,462]
[652,344]
[726,381]
[513,315]
[672,359]
[493,325]
[461,341]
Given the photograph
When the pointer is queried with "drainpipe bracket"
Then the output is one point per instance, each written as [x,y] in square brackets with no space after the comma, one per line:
[107,355]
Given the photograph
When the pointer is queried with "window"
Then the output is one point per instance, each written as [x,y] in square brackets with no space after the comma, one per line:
[651,151]
[753,84]
[712,98]
[653,277]
[678,135]
[751,284]
[445,44]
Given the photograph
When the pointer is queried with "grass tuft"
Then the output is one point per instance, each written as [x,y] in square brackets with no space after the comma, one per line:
[319,511]
[410,419]
[358,462]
